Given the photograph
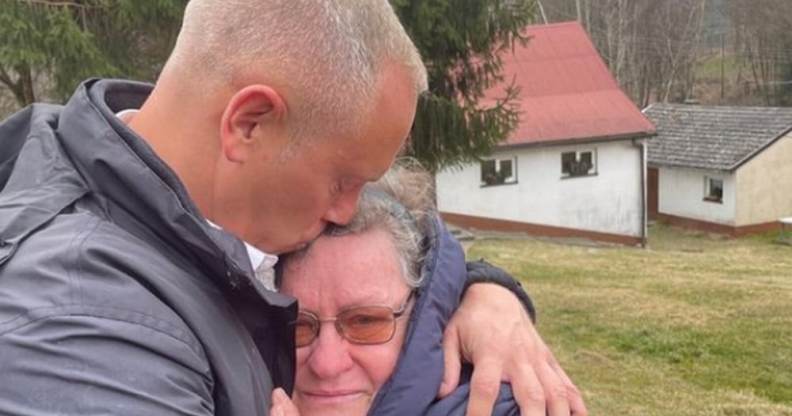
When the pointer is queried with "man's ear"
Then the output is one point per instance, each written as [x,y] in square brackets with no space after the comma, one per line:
[249,112]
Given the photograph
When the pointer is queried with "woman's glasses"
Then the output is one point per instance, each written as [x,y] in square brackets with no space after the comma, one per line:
[364,325]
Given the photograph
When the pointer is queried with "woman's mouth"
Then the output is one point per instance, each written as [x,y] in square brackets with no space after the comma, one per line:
[332,396]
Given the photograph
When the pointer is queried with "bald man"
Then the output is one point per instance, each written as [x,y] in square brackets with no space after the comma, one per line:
[135,220]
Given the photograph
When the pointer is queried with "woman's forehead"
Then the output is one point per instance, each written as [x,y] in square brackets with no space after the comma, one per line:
[352,269]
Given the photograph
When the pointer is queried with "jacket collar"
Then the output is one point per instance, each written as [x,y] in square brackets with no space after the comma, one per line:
[121,166]
[414,383]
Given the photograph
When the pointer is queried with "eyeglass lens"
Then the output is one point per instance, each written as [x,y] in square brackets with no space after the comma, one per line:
[364,325]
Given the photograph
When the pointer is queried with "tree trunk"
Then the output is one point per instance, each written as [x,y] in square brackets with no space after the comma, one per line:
[22,86]
[27,95]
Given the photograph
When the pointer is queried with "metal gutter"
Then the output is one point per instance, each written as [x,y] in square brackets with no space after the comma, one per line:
[582,140]
[640,143]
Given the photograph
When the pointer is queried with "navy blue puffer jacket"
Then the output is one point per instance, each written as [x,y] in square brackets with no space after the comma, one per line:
[413,386]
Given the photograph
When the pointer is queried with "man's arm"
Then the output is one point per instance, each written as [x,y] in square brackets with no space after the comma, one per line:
[80,364]
[493,330]
[483,272]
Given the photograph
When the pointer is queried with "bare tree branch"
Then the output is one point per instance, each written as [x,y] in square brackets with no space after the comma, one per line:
[59,3]
[5,78]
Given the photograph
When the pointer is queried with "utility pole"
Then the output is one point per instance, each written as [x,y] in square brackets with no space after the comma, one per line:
[723,66]
[579,14]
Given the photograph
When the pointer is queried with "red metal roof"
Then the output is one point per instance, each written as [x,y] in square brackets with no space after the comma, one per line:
[567,92]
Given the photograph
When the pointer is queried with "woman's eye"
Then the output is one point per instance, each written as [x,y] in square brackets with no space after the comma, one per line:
[364,320]
[303,324]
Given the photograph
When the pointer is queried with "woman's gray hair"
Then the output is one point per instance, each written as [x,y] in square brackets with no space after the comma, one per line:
[401,203]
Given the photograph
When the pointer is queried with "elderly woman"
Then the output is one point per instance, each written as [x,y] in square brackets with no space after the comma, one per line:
[374,297]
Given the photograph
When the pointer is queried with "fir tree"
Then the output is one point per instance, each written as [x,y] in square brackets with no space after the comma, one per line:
[461,42]
[49,46]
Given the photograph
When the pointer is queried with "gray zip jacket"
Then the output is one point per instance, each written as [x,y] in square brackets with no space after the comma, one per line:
[116,297]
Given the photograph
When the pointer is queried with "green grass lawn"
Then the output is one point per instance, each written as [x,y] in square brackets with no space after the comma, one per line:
[710,67]
[693,325]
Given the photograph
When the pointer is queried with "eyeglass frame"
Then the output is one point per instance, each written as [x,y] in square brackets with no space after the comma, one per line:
[318,321]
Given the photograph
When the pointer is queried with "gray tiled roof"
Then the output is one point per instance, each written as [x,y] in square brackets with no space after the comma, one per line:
[713,137]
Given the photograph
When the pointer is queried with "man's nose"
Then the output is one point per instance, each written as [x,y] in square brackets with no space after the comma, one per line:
[343,208]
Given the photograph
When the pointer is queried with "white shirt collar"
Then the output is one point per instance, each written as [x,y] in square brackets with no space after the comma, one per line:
[261,262]
[126,115]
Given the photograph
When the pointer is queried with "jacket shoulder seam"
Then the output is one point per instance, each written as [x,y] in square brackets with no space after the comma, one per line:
[76,245]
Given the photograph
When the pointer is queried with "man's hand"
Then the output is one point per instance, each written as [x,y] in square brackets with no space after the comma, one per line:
[282,404]
[492,330]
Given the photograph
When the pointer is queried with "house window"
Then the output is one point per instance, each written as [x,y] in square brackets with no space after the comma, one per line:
[581,163]
[713,189]
[498,171]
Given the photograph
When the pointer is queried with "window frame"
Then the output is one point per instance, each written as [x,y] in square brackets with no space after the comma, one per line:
[510,180]
[708,196]
[578,156]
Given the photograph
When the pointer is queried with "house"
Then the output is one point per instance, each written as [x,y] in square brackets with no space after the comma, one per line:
[575,166]
[721,169]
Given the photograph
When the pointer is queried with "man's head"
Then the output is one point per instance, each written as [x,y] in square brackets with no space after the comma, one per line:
[326,54]
[278,111]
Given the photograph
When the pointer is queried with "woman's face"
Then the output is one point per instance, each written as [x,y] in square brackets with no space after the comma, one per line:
[334,376]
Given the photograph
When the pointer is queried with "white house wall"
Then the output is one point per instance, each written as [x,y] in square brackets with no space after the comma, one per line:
[609,202]
[681,193]
[765,185]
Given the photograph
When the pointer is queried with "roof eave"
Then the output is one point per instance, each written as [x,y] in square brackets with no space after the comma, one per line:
[651,163]
[753,154]
[732,168]
[582,140]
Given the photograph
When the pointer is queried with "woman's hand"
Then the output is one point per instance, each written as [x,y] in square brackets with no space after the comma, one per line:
[282,404]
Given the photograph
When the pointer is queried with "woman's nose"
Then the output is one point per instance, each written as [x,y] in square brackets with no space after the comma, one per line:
[330,355]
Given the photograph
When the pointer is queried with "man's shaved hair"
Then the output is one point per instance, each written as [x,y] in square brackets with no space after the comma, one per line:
[326,53]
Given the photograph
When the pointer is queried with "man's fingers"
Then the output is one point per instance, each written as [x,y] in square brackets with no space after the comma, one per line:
[556,393]
[528,391]
[509,342]
[452,358]
[484,387]
[576,405]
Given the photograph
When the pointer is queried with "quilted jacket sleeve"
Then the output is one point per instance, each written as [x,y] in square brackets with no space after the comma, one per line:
[70,361]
